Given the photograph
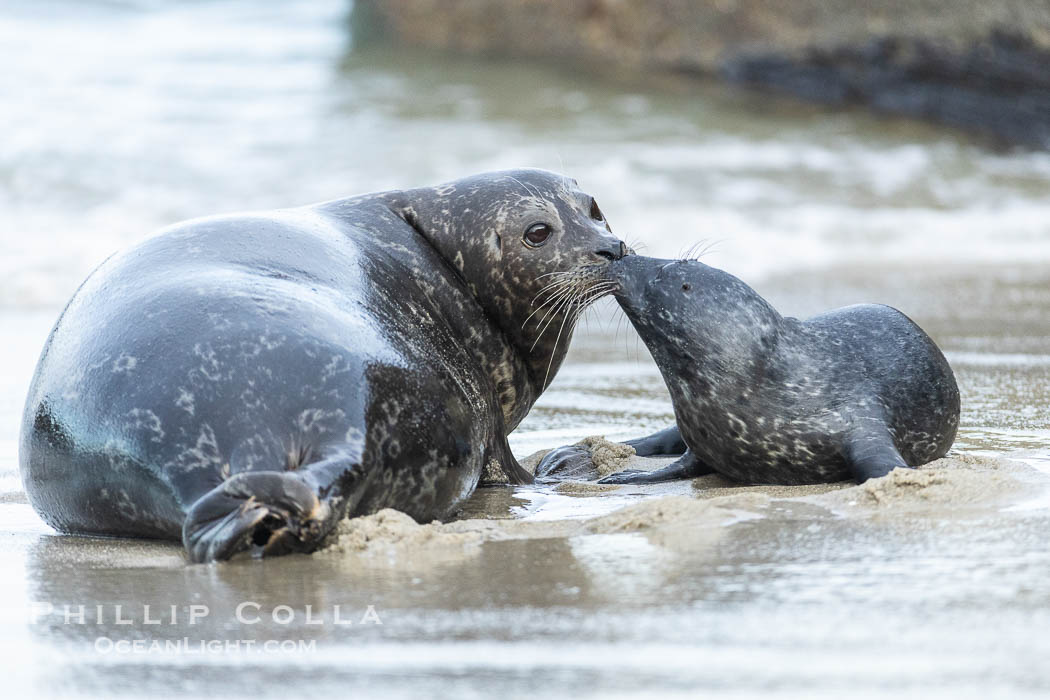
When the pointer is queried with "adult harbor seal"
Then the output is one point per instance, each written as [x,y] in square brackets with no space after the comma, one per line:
[247,381]
[765,399]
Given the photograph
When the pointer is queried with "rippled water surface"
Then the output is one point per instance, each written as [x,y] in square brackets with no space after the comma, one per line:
[121,117]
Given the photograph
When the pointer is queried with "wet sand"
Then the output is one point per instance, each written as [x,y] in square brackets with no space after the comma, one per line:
[938,573]
[952,486]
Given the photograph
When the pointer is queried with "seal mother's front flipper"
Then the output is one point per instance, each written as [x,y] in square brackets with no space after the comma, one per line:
[513,471]
[688,466]
[272,512]
[567,462]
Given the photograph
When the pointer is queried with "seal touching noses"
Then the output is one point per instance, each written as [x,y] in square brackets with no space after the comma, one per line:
[764,399]
[244,382]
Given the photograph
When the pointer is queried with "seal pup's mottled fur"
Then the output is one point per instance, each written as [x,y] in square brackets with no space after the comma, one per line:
[766,399]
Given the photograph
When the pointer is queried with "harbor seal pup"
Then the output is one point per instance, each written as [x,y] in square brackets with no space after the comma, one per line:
[246,381]
[765,399]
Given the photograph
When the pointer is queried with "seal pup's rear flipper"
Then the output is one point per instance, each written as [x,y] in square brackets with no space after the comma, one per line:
[688,466]
[271,512]
[869,451]
[665,442]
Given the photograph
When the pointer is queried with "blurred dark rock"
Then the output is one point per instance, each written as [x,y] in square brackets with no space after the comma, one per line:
[979,65]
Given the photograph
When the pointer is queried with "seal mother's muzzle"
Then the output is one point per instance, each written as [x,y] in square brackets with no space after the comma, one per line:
[613,250]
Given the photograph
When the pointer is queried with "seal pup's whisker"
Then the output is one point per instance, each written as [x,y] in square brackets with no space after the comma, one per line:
[700,249]
[687,253]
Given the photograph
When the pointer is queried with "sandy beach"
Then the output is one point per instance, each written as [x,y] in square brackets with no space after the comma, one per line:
[603,590]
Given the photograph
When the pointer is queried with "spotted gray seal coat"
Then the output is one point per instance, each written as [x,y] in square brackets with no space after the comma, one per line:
[244,382]
[766,399]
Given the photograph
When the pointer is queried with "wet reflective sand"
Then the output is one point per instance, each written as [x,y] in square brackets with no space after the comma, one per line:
[768,594]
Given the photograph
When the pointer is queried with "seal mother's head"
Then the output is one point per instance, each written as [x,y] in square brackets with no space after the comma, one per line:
[531,246]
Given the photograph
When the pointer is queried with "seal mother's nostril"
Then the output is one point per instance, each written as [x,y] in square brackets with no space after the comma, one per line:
[613,252]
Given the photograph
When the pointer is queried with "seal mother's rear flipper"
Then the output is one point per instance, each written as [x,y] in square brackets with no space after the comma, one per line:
[869,451]
[688,466]
[271,512]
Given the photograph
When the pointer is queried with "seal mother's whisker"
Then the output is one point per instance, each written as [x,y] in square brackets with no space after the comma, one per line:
[560,294]
[579,302]
[573,305]
[552,288]
[552,314]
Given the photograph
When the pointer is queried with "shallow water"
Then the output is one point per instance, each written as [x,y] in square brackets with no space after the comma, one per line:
[121,117]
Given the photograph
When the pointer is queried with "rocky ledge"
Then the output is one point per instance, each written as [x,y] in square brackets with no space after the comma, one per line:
[981,66]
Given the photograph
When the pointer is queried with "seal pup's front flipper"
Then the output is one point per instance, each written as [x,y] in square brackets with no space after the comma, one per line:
[272,512]
[665,442]
[688,466]
[869,451]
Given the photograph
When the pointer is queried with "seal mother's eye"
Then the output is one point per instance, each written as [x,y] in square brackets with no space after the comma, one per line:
[596,213]
[537,234]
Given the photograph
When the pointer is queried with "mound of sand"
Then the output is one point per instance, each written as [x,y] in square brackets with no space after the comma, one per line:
[389,530]
[607,457]
[947,485]
[956,481]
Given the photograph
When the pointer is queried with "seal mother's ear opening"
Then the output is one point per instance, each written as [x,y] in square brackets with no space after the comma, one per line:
[243,382]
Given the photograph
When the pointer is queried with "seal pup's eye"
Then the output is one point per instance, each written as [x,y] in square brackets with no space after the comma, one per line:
[686,287]
[596,213]
[536,235]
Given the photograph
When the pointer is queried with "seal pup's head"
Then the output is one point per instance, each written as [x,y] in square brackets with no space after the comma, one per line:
[689,313]
[530,245]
